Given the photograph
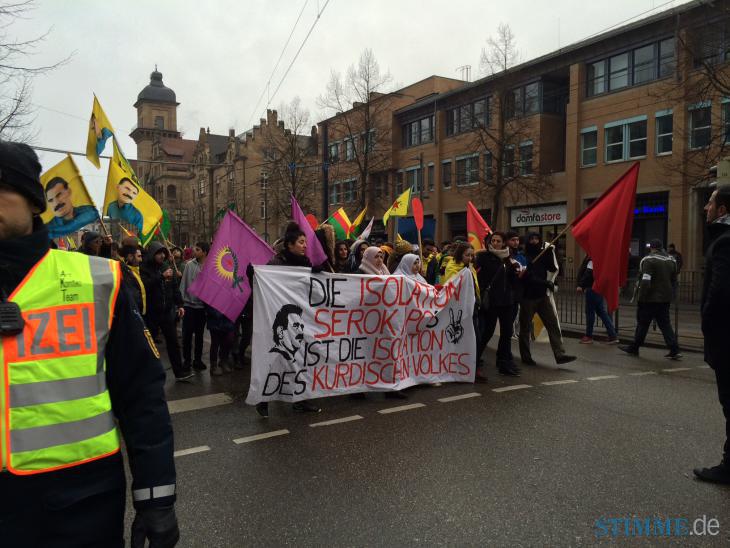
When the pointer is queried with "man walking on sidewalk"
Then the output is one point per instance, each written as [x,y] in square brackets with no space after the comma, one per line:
[657,277]
[194,318]
[715,306]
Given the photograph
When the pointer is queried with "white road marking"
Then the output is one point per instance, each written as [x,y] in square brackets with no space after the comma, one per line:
[199,402]
[553,383]
[513,387]
[264,436]
[401,408]
[675,369]
[642,373]
[191,451]
[460,397]
[602,378]
[336,421]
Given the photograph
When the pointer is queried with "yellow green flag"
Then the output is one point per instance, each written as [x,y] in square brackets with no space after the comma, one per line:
[126,200]
[357,223]
[100,129]
[399,207]
[70,207]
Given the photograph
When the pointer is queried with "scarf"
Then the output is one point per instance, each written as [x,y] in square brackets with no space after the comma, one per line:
[295,260]
[405,268]
[367,264]
[500,253]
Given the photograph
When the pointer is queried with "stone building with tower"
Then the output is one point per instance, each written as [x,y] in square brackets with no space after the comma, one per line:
[197,180]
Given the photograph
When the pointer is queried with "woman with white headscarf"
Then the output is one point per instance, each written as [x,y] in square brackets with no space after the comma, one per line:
[410,266]
[373,262]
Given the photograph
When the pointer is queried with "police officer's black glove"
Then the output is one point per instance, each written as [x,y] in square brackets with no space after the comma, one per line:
[158,524]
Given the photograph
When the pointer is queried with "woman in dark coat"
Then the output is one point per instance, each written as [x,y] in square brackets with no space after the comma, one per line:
[293,253]
[497,273]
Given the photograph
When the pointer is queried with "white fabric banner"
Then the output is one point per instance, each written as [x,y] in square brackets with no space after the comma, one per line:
[319,335]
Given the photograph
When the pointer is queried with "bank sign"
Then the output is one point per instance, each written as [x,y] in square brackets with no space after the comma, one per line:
[555,214]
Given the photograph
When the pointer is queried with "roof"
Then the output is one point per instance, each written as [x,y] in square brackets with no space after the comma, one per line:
[156,91]
[180,149]
[218,145]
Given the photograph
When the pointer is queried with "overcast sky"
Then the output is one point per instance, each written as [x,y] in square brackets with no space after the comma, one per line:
[218,55]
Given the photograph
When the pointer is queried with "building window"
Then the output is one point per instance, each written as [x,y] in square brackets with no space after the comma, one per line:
[418,132]
[264,183]
[667,62]
[159,122]
[618,71]
[589,147]
[664,128]
[431,177]
[700,126]
[532,99]
[526,158]
[171,192]
[467,117]
[523,101]
[644,69]
[488,169]
[446,174]
[349,149]
[596,78]
[334,153]
[631,68]
[368,141]
[626,139]
[201,187]
[413,179]
[711,43]
[467,171]
[508,163]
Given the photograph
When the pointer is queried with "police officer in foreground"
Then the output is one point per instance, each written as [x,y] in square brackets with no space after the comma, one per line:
[78,367]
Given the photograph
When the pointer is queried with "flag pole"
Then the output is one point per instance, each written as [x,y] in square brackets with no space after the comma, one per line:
[552,243]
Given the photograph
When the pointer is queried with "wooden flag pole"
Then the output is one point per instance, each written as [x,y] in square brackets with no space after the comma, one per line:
[551,244]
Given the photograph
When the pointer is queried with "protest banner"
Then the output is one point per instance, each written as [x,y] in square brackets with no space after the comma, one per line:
[318,335]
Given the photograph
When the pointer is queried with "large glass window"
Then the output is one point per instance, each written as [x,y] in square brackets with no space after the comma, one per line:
[526,159]
[637,139]
[418,132]
[532,98]
[334,153]
[589,148]
[644,64]
[700,127]
[349,150]
[596,78]
[431,177]
[467,171]
[508,163]
[480,110]
[667,62]
[446,174]
[615,143]
[664,128]
[619,71]
[426,130]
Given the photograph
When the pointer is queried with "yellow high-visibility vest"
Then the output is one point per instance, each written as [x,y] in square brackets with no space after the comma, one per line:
[55,410]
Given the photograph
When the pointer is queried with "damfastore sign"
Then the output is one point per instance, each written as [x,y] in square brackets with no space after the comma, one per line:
[555,214]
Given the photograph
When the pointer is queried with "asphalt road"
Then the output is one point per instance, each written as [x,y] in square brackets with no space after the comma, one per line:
[545,459]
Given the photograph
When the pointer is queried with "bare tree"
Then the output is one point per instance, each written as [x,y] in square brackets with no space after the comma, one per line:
[360,105]
[701,77]
[17,74]
[290,159]
[500,53]
[499,123]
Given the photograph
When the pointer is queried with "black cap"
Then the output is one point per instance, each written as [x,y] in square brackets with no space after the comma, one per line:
[655,244]
[21,171]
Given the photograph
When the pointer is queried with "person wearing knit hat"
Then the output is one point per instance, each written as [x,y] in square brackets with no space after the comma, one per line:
[402,248]
[70,488]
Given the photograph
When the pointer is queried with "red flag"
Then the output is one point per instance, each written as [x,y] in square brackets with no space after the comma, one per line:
[603,230]
[476,226]
[312,221]
[417,208]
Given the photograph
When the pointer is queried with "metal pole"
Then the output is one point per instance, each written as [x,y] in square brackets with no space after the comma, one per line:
[266,206]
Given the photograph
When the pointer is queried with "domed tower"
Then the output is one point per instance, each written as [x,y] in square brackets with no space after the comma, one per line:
[156,117]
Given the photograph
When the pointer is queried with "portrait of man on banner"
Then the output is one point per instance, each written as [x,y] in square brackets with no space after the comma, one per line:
[123,208]
[288,335]
[70,207]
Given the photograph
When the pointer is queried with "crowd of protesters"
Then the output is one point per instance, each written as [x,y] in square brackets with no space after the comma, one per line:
[514,279]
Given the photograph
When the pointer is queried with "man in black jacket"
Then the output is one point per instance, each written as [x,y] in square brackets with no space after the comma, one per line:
[83,505]
[537,299]
[715,306]
[164,304]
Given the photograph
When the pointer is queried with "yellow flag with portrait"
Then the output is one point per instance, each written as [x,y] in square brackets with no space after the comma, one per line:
[70,207]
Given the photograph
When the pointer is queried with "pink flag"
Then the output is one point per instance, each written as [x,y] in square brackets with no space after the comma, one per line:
[314,249]
[223,283]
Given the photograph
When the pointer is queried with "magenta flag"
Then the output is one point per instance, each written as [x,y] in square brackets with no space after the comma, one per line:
[314,249]
[223,283]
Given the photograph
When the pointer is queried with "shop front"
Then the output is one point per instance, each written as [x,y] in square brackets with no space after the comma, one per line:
[546,219]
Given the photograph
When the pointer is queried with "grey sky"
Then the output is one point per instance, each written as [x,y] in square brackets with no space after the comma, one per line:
[218,55]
